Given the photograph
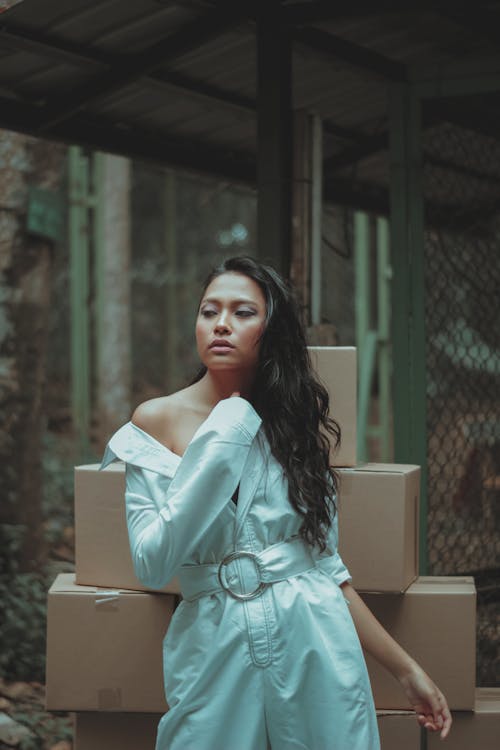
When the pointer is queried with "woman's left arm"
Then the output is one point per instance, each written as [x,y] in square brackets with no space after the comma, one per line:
[427,700]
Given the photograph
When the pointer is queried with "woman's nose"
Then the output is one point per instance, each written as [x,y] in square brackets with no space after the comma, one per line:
[222,322]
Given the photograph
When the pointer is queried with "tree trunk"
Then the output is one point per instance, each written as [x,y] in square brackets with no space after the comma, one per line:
[114,356]
[25,293]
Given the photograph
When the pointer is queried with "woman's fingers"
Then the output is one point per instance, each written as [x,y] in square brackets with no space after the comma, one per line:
[447,722]
[436,716]
[433,713]
[441,712]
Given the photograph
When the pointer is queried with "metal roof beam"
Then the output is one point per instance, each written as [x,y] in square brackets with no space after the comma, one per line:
[21,37]
[478,19]
[370,145]
[190,36]
[60,50]
[346,134]
[197,89]
[134,142]
[368,196]
[357,194]
[317,11]
[360,57]
[325,10]
[471,115]
[53,46]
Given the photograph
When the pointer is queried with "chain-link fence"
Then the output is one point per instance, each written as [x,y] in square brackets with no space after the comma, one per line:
[461,179]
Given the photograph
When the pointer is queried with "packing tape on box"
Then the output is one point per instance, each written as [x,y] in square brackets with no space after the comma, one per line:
[109,699]
[107,600]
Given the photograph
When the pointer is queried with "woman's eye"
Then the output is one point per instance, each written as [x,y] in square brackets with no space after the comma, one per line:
[245,313]
[207,313]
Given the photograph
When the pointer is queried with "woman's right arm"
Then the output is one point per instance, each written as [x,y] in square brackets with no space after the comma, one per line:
[206,477]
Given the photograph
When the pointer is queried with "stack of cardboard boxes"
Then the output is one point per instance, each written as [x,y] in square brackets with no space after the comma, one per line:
[105,629]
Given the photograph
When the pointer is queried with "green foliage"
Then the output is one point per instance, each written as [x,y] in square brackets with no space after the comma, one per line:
[24,611]
[11,537]
[22,626]
[24,594]
[46,728]
[57,490]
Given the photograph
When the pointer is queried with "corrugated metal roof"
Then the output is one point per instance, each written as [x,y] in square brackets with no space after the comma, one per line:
[176,81]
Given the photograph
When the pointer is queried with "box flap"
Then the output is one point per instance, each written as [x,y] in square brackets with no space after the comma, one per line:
[443,585]
[487,701]
[383,468]
[394,712]
[116,466]
[332,348]
[65,584]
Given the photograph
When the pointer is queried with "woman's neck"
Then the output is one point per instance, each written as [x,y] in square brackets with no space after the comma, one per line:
[215,386]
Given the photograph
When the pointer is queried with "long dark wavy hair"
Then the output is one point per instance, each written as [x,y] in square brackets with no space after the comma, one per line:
[293,404]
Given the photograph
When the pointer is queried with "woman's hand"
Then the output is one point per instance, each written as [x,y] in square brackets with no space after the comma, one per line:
[427,700]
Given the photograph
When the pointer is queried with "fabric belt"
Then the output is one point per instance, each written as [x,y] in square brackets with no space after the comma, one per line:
[244,574]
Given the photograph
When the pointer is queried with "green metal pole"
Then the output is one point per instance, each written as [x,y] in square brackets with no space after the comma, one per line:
[97,204]
[383,326]
[316,217]
[362,313]
[407,319]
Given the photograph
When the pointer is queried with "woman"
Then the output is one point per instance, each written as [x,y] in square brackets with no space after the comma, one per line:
[228,486]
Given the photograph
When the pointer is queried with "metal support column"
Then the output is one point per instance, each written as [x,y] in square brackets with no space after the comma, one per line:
[274,136]
[383,327]
[300,271]
[316,218]
[365,338]
[408,329]
[99,258]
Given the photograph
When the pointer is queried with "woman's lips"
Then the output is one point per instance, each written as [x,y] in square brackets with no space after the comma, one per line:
[221,344]
[221,348]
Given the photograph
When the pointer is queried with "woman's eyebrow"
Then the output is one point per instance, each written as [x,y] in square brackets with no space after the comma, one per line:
[240,301]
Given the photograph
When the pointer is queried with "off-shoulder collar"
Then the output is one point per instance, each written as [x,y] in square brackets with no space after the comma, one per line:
[135,446]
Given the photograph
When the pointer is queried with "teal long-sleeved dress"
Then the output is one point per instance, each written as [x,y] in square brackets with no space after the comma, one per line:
[283,670]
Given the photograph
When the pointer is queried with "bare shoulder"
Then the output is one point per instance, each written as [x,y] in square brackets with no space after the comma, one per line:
[156,415]
[167,418]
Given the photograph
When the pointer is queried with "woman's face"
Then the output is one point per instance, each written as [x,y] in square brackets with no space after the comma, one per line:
[231,318]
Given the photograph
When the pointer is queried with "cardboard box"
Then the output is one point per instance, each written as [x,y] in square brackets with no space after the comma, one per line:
[104,648]
[435,621]
[398,730]
[115,731]
[378,525]
[336,368]
[121,731]
[102,548]
[474,730]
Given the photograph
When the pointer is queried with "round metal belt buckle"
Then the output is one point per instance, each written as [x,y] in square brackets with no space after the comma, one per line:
[234,556]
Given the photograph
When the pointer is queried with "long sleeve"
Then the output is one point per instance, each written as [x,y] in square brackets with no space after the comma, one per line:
[331,562]
[206,477]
